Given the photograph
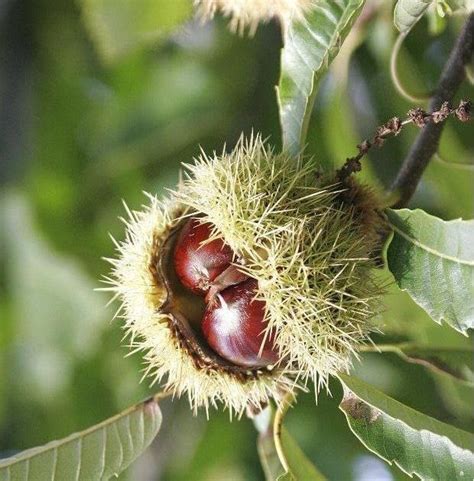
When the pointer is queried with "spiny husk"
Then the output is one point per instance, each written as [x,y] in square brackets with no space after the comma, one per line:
[249,13]
[305,246]
[309,249]
[149,330]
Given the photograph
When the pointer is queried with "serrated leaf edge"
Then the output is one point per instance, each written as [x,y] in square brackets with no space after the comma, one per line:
[29,454]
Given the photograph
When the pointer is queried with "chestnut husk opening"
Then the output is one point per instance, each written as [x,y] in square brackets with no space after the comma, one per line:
[185,311]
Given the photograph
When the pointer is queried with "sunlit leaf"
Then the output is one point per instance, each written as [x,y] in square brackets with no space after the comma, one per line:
[433,260]
[119,27]
[96,454]
[408,12]
[418,444]
[309,48]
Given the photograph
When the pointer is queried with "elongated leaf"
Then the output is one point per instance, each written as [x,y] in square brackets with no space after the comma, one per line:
[309,48]
[456,362]
[408,12]
[416,443]
[120,26]
[95,454]
[300,467]
[269,459]
[458,397]
[433,260]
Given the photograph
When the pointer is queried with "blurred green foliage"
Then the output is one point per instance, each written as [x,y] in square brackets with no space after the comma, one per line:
[78,136]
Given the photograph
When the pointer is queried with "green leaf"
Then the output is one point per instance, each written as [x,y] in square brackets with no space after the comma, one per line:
[300,467]
[416,443]
[284,477]
[408,12]
[119,27]
[96,454]
[457,396]
[309,48]
[453,361]
[268,456]
[433,260]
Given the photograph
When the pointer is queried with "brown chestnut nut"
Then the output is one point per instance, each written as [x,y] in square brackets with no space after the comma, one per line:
[234,325]
[197,262]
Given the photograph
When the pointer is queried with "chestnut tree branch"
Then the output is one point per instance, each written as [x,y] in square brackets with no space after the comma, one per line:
[394,126]
[426,144]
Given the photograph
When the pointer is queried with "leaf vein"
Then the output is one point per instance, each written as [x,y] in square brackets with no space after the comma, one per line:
[429,249]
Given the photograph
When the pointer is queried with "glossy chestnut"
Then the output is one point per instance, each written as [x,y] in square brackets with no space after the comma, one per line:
[198,262]
[234,325]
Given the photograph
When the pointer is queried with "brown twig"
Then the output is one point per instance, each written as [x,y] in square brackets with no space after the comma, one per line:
[426,144]
[393,127]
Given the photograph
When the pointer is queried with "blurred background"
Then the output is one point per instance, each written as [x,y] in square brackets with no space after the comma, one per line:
[83,128]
